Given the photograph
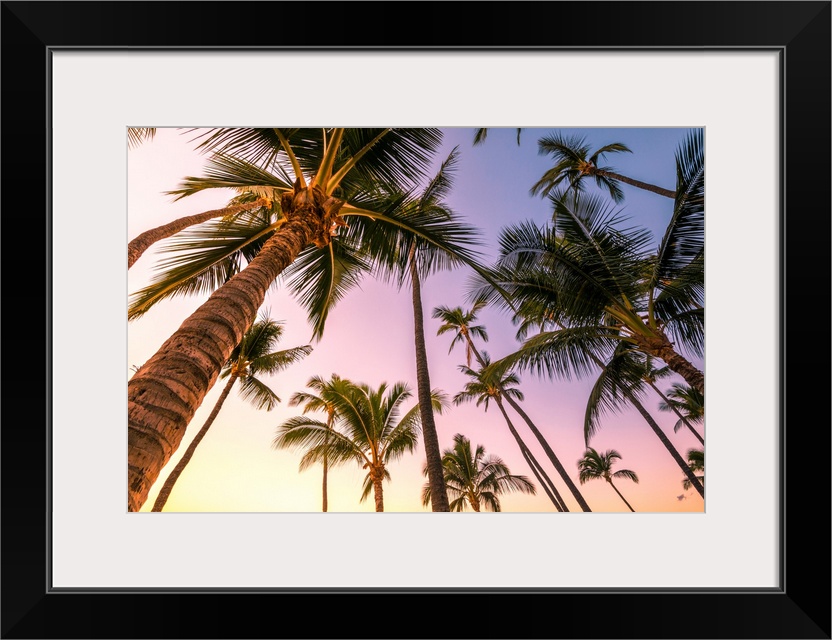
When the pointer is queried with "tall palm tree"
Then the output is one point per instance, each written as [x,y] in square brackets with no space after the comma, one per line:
[575,160]
[606,285]
[475,479]
[249,362]
[696,460]
[488,384]
[594,466]
[368,430]
[321,398]
[412,260]
[461,322]
[318,181]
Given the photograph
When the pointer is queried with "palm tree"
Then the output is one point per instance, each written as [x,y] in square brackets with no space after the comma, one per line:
[461,322]
[696,460]
[368,430]
[594,466]
[575,160]
[320,399]
[475,479]
[489,384]
[622,380]
[411,259]
[318,181]
[687,403]
[249,361]
[604,286]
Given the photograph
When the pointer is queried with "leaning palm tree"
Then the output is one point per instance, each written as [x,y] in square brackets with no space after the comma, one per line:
[368,430]
[488,384]
[462,323]
[320,398]
[622,381]
[696,460]
[475,479]
[594,466]
[575,160]
[320,183]
[249,361]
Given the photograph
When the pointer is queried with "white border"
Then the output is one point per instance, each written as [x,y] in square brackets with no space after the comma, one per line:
[96,95]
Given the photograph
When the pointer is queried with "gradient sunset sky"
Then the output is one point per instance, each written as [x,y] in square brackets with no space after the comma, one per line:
[369,338]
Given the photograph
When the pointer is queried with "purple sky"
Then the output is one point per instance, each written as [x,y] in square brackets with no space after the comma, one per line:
[369,338]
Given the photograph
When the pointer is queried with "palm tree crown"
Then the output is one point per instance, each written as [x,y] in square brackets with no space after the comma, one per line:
[595,466]
[368,429]
[476,480]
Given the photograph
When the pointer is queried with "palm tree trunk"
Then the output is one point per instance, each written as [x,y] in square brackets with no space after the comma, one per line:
[525,450]
[558,501]
[544,480]
[661,347]
[620,496]
[143,241]
[550,454]
[164,493]
[324,498]
[678,413]
[166,392]
[378,490]
[436,476]
[638,183]
[668,445]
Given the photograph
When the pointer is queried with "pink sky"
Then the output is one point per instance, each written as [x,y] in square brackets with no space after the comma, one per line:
[369,338]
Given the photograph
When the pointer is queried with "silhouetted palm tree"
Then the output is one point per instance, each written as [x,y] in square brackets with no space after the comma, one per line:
[594,466]
[475,479]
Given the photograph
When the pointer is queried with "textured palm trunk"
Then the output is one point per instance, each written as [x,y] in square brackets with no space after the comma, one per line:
[166,489]
[558,502]
[164,394]
[668,445]
[377,475]
[537,469]
[620,496]
[144,241]
[660,347]
[475,503]
[436,476]
[678,413]
[667,193]
[325,501]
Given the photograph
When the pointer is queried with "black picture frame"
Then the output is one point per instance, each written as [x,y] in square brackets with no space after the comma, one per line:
[800,608]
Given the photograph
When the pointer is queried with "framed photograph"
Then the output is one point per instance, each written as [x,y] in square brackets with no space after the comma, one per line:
[751,561]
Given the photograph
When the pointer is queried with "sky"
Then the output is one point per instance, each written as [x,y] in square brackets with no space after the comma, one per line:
[369,338]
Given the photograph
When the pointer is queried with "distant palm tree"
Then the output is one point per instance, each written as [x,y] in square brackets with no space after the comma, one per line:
[462,322]
[475,479]
[321,400]
[368,430]
[488,384]
[594,466]
[251,358]
[696,460]
[687,403]
[575,160]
